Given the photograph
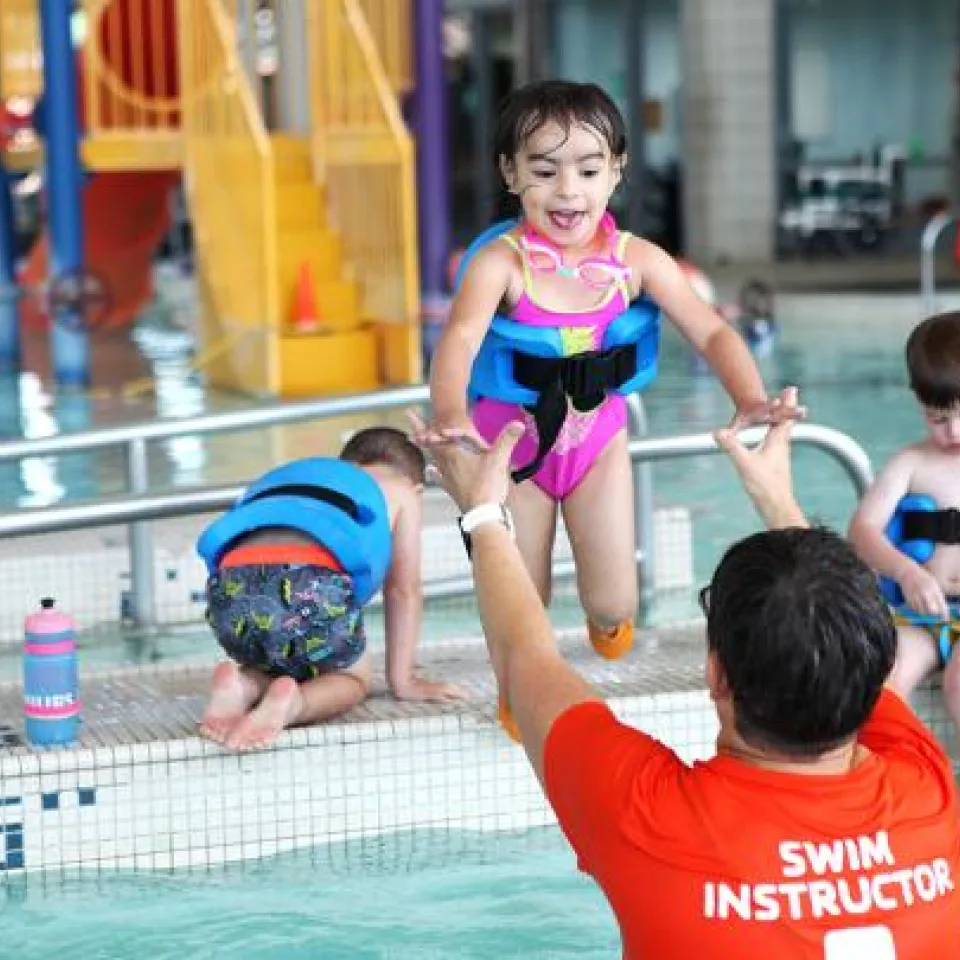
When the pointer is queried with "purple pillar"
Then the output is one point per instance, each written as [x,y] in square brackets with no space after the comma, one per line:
[433,158]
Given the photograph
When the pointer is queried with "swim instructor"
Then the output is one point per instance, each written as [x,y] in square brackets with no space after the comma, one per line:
[826,827]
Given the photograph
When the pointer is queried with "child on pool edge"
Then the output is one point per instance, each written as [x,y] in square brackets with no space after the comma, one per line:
[923,585]
[284,604]
[561,150]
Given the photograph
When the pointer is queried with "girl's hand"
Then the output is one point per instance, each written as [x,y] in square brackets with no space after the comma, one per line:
[773,411]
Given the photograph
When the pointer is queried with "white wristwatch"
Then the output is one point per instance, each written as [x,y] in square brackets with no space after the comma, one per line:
[481,514]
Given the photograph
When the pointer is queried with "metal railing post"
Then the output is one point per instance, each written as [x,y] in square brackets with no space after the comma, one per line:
[143,605]
[643,519]
[928,258]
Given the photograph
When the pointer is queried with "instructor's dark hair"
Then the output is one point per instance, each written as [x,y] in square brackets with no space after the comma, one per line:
[803,636]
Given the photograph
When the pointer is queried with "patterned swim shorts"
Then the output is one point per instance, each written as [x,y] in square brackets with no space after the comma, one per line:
[294,620]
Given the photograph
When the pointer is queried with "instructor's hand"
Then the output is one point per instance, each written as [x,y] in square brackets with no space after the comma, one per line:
[473,476]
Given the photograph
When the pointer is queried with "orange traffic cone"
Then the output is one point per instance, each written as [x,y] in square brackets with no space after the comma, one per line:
[306,315]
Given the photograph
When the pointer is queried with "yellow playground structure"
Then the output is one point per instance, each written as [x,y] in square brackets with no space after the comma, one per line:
[323,217]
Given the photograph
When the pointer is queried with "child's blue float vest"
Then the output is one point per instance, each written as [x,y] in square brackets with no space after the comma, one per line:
[526,365]
[334,502]
[917,526]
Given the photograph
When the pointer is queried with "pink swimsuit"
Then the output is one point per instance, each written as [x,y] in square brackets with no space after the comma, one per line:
[583,436]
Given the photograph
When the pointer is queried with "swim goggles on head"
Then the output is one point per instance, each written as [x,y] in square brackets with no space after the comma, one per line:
[597,272]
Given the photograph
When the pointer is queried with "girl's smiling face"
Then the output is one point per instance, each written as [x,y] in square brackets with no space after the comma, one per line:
[564,177]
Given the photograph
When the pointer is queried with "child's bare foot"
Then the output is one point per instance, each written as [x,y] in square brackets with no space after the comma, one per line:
[276,711]
[230,699]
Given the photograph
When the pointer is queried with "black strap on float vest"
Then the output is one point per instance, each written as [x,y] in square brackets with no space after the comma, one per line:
[937,526]
[584,378]
[335,499]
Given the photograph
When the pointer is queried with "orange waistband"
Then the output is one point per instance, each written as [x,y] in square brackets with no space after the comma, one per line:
[254,553]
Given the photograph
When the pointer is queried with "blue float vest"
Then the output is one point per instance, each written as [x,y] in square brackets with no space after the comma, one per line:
[493,373]
[527,365]
[919,549]
[334,502]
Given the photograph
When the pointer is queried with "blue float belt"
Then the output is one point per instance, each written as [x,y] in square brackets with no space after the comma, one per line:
[334,503]
[915,529]
[527,365]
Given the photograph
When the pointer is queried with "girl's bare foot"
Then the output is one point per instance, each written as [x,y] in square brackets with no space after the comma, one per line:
[276,711]
[230,699]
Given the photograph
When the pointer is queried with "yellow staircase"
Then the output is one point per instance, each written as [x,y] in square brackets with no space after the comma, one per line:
[337,205]
[344,349]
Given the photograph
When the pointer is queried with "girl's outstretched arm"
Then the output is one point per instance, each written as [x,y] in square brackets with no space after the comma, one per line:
[484,286]
[658,274]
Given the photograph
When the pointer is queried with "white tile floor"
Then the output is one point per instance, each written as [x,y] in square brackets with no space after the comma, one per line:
[141,790]
[163,704]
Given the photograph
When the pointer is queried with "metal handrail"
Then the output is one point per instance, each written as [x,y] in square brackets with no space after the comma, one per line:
[928,257]
[138,509]
[270,415]
[842,447]
[136,435]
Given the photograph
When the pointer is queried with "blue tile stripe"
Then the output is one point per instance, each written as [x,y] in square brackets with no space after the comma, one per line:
[13,846]
[12,855]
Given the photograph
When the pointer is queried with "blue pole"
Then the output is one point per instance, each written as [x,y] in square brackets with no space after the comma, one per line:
[433,161]
[64,180]
[9,292]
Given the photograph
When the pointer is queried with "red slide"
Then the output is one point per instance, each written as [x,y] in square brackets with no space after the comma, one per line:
[125,214]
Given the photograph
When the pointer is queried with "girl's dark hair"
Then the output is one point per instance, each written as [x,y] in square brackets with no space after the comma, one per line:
[933,361]
[565,103]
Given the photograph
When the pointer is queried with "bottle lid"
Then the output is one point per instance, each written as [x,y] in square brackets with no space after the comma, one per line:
[47,603]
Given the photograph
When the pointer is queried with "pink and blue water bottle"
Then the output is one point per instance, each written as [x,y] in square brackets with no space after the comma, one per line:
[51,681]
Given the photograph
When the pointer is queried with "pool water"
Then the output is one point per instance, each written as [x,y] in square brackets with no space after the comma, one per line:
[444,894]
[851,378]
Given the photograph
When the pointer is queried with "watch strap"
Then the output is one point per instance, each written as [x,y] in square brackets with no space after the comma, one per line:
[484,513]
[479,515]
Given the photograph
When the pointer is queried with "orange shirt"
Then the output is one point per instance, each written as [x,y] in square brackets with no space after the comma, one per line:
[724,860]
